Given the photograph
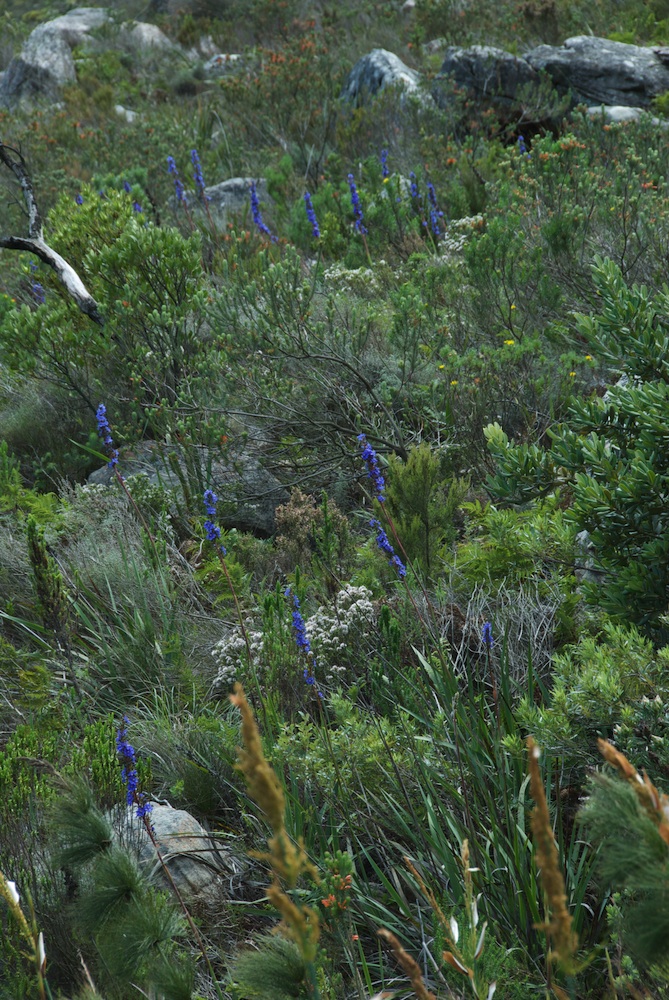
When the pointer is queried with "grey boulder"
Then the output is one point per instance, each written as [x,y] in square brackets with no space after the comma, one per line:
[486,73]
[248,494]
[598,71]
[201,867]
[45,63]
[377,71]
[144,37]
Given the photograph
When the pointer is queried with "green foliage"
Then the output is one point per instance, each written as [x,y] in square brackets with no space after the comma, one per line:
[340,764]
[418,339]
[610,452]
[423,501]
[273,971]
[600,686]
[49,584]
[632,857]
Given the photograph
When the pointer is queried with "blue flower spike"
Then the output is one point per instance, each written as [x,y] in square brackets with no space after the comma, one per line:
[104,432]
[128,761]
[212,530]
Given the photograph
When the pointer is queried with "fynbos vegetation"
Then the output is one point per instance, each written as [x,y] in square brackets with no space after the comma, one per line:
[334,464]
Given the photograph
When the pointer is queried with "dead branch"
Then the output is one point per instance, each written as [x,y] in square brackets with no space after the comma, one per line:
[34,242]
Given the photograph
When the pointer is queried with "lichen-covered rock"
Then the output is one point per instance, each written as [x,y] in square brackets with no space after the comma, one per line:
[248,494]
[487,73]
[45,63]
[618,113]
[201,866]
[376,71]
[232,197]
[599,71]
[144,37]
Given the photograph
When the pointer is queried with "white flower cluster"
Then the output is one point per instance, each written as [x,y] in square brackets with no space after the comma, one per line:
[231,656]
[338,631]
[359,281]
[457,235]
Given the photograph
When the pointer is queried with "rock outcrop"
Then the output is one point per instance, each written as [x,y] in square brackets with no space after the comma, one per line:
[584,69]
[598,71]
[202,868]
[375,72]
[45,63]
[248,493]
[487,73]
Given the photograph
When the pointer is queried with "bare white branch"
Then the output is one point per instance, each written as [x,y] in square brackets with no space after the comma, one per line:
[35,243]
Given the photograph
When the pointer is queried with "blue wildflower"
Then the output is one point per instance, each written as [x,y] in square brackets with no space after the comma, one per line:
[383,543]
[522,148]
[38,293]
[127,187]
[435,214]
[197,175]
[413,190]
[257,216]
[384,164]
[136,207]
[357,207]
[302,639]
[104,431]
[212,530]
[178,186]
[370,457]
[311,216]
[33,266]
[128,761]
[486,635]
[79,199]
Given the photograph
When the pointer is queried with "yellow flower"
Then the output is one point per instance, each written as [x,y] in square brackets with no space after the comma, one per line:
[454,381]
[513,307]
[572,374]
[441,367]
[509,342]
[588,357]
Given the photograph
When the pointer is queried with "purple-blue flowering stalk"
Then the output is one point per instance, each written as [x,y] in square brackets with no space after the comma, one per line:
[371,459]
[38,293]
[489,642]
[358,216]
[128,761]
[435,213]
[302,639]
[311,216]
[383,543]
[136,207]
[385,172]
[127,187]
[178,185]
[212,530]
[522,148]
[357,207]
[104,432]
[79,198]
[257,215]
[416,196]
[197,175]
[213,533]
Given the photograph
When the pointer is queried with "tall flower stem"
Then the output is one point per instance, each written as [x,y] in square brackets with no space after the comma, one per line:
[126,756]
